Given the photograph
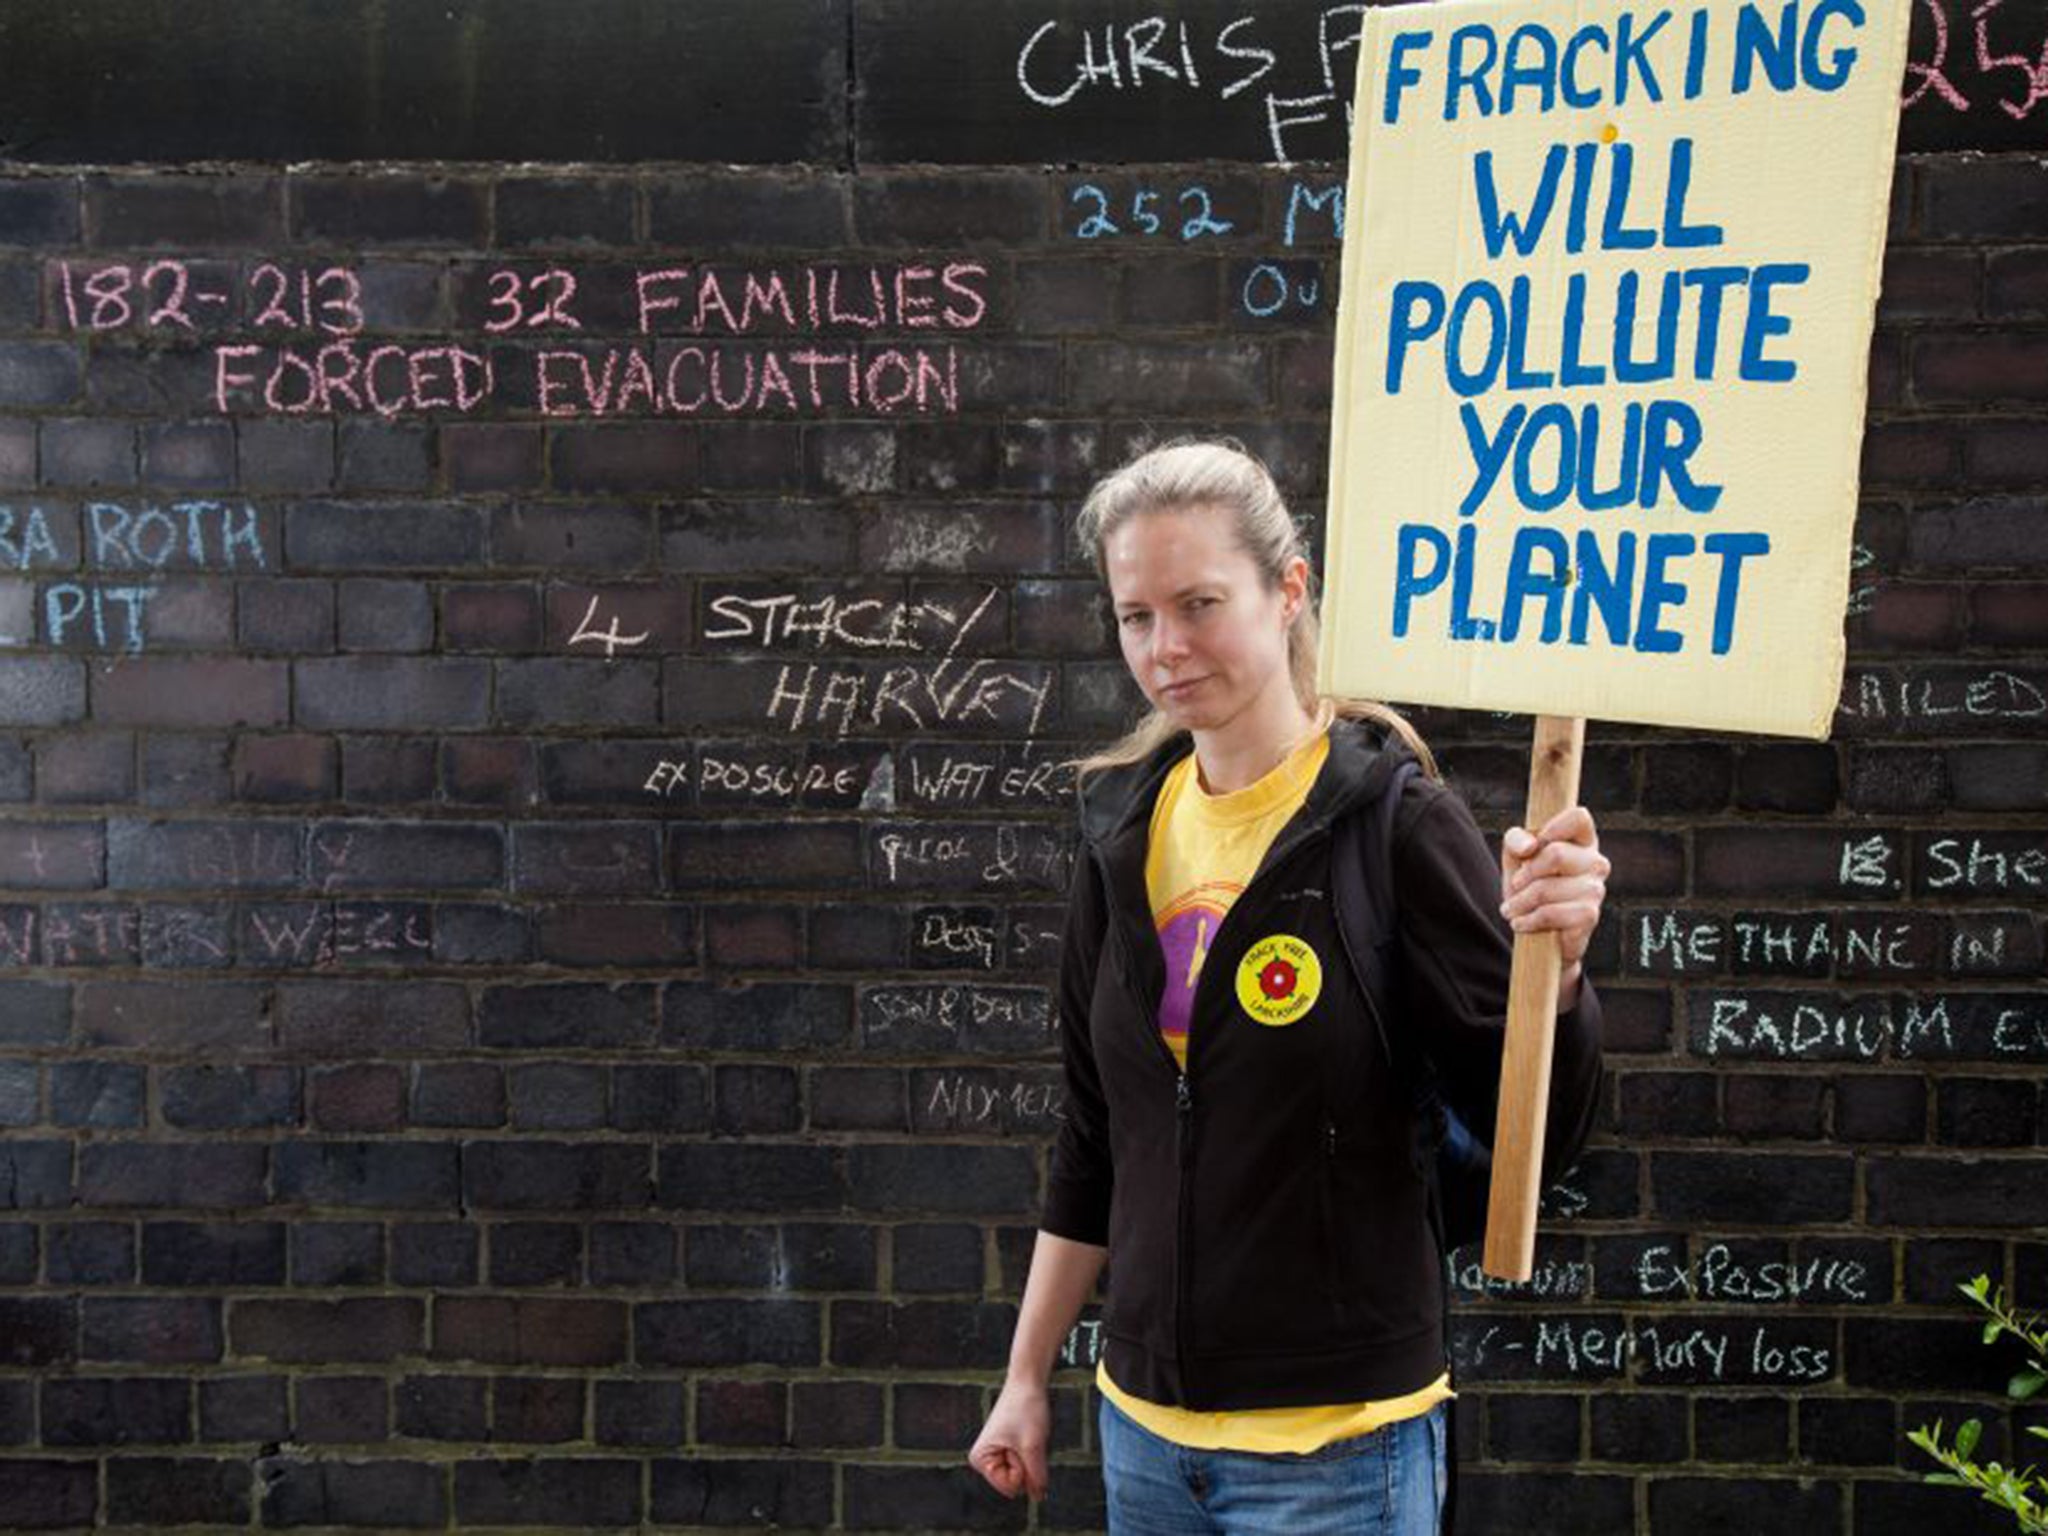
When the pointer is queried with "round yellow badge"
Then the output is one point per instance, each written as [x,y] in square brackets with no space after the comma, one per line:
[1279,979]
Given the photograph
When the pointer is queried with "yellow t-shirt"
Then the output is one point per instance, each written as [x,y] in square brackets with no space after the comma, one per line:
[1203,850]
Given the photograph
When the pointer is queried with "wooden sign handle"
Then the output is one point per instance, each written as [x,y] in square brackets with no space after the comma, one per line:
[1510,1252]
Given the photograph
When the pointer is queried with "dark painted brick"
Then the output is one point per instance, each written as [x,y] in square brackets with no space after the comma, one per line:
[750,1177]
[434,1255]
[42,210]
[287,616]
[406,210]
[711,1492]
[1786,778]
[390,693]
[228,1098]
[537,1410]
[171,1175]
[584,1492]
[99,1094]
[244,1408]
[529,1253]
[218,1017]
[326,1332]
[336,1253]
[490,617]
[1537,1427]
[442,1407]
[333,1018]
[1718,1186]
[882,1497]
[529,1330]
[384,615]
[557,1096]
[733,210]
[285,455]
[380,1494]
[374,456]
[951,209]
[942,1179]
[185,770]
[527,1175]
[341,1410]
[86,766]
[1912,1509]
[285,769]
[557,691]
[601,536]
[1954,1192]
[360,536]
[660,1098]
[1967,199]
[41,690]
[1851,1431]
[87,453]
[632,1253]
[1698,1506]
[624,459]
[139,212]
[754,936]
[565,1016]
[660,934]
[640,1413]
[1889,1107]
[89,1253]
[48,1495]
[183,1490]
[491,456]
[176,1253]
[378,1175]
[104,1411]
[356,1098]
[705,1332]
[189,456]
[559,212]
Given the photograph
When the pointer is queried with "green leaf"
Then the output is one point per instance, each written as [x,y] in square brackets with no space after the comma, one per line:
[2026,1384]
[1992,1330]
[1977,1289]
[1967,1434]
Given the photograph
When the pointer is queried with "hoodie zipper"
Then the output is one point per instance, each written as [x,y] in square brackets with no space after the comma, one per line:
[1184,1148]
[1183,1089]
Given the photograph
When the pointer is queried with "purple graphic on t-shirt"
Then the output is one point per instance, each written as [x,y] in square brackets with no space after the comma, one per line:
[1185,937]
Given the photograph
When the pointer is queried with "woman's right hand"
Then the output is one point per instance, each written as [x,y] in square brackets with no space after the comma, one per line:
[1010,1451]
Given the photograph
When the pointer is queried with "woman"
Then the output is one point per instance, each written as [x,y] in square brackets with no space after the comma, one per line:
[1273,1335]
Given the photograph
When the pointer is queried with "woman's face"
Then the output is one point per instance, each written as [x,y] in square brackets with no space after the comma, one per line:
[1203,635]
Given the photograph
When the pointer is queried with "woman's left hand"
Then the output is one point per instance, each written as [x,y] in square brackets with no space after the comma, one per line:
[1554,879]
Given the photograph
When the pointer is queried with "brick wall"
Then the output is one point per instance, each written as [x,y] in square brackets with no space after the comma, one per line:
[531,714]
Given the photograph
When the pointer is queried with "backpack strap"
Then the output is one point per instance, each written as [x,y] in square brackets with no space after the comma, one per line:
[1363,872]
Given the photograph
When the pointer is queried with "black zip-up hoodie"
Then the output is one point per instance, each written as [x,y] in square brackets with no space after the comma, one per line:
[1267,1220]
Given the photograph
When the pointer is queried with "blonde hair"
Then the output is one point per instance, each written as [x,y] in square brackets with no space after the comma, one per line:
[1188,473]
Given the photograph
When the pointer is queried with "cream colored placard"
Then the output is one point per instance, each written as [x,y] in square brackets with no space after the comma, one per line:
[1609,276]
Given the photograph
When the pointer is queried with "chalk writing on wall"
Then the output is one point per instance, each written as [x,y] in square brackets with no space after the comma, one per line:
[1941,697]
[1287,83]
[955,1017]
[696,359]
[1999,53]
[1668,1349]
[135,544]
[1830,1026]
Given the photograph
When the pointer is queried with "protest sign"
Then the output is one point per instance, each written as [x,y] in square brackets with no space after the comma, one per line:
[1609,276]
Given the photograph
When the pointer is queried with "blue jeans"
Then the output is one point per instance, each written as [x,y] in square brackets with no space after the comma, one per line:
[1387,1483]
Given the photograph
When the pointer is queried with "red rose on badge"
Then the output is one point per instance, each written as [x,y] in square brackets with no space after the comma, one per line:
[1277,980]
